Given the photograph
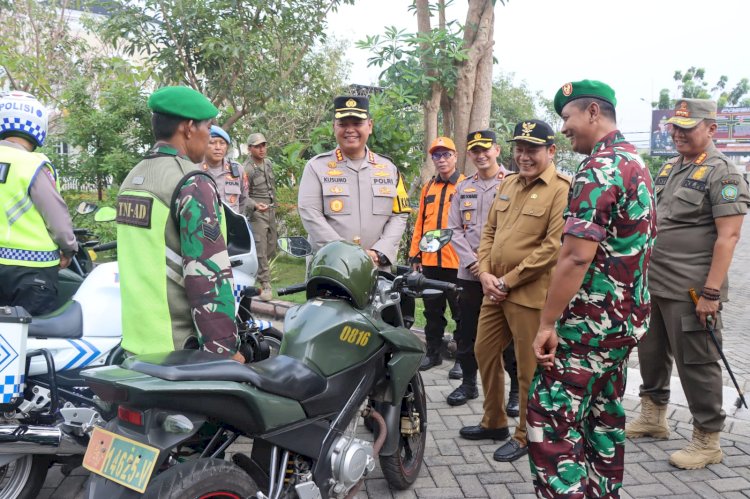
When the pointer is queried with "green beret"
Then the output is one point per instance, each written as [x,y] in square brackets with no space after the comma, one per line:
[581,89]
[183,102]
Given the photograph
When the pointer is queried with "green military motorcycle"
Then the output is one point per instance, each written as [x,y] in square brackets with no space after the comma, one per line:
[345,355]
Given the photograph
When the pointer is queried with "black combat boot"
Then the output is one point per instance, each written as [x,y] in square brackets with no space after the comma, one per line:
[456,372]
[430,360]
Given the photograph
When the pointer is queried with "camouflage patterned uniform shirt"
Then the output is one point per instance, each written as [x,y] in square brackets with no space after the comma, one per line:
[611,202]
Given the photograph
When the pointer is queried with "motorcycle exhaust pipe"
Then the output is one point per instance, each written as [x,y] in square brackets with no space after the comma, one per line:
[27,439]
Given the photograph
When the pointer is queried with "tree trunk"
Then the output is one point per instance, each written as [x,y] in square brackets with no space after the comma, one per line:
[478,43]
[431,106]
[446,108]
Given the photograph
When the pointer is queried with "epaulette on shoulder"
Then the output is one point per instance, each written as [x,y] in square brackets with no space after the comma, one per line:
[384,156]
[321,155]
[566,178]
[510,174]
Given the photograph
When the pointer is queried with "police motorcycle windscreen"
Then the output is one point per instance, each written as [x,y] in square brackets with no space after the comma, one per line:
[242,252]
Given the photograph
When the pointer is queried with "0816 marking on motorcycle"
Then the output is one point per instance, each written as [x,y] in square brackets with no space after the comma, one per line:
[345,354]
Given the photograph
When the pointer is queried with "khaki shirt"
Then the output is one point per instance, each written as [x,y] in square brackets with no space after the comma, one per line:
[338,201]
[522,237]
[232,189]
[468,214]
[688,199]
[262,183]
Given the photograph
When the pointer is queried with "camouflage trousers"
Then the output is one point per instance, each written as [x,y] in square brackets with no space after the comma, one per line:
[576,422]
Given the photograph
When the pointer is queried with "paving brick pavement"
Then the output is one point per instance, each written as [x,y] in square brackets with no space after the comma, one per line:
[457,468]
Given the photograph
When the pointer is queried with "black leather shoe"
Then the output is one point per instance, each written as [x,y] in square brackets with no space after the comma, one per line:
[511,408]
[456,372]
[462,394]
[478,433]
[510,451]
[430,361]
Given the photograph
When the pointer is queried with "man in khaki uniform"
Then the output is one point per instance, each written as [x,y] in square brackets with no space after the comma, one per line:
[351,193]
[701,203]
[230,180]
[519,247]
[262,213]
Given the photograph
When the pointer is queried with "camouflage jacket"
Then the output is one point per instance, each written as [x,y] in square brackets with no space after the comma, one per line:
[611,202]
[206,269]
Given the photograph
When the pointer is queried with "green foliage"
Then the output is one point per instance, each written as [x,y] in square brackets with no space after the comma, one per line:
[104,231]
[106,121]
[287,216]
[654,163]
[242,55]
[397,132]
[692,84]
[38,53]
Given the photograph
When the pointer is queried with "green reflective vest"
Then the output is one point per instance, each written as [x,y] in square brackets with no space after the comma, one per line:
[156,314]
[24,239]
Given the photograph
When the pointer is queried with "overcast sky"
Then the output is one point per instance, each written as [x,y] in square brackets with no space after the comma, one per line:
[633,45]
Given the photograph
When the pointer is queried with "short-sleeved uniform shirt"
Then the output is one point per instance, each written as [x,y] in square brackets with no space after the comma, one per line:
[612,203]
[689,197]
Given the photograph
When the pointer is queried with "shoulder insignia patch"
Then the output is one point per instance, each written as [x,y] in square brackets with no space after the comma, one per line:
[729,193]
[211,231]
[339,155]
[730,181]
[371,157]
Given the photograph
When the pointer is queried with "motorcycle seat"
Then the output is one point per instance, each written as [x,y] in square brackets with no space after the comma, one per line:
[279,375]
[65,323]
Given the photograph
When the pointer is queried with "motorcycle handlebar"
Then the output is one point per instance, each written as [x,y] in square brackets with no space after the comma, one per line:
[105,246]
[439,285]
[290,290]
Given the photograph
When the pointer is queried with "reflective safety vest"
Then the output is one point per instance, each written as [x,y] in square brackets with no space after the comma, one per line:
[24,239]
[156,315]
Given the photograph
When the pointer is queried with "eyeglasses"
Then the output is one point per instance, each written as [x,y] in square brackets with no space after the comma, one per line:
[437,156]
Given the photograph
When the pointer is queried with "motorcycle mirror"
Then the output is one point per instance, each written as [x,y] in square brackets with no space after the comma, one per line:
[105,214]
[296,246]
[433,240]
[85,208]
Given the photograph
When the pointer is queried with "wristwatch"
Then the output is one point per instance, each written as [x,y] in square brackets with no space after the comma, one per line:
[382,259]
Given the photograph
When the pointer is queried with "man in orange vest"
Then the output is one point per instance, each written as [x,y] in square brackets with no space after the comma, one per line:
[434,205]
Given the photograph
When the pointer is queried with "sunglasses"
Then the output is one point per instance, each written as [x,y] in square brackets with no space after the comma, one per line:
[437,156]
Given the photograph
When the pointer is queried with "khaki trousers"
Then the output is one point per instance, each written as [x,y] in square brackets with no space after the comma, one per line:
[499,324]
[675,334]
[264,233]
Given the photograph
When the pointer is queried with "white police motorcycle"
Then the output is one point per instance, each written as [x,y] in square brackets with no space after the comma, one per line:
[46,409]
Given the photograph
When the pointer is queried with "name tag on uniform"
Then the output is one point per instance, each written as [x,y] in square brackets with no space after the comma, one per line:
[134,210]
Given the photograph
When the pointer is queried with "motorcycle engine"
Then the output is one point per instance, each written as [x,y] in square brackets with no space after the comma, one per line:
[350,461]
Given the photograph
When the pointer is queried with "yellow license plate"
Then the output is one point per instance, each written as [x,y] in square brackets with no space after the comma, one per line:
[120,459]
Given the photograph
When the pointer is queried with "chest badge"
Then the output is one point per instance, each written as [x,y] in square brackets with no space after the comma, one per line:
[337,190]
[385,190]
[380,166]
[382,174]
[337,205]
[467,216]
[534,196]
[467,204]
[699,173]
[470,189]
[335,173]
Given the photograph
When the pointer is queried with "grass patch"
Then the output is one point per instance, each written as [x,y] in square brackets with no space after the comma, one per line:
[287,270]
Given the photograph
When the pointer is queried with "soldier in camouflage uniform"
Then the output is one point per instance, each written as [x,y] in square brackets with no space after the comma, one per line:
[597,308]
[228,175]
[175,276]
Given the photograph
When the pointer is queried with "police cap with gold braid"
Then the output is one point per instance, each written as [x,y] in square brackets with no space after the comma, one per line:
[481,138]
[584,88]
[351,105]
[183,102]
[534,132]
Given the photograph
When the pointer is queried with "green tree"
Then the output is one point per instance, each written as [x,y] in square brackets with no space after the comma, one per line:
[38,52]
[242,55]
[693,84]
[105,122]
